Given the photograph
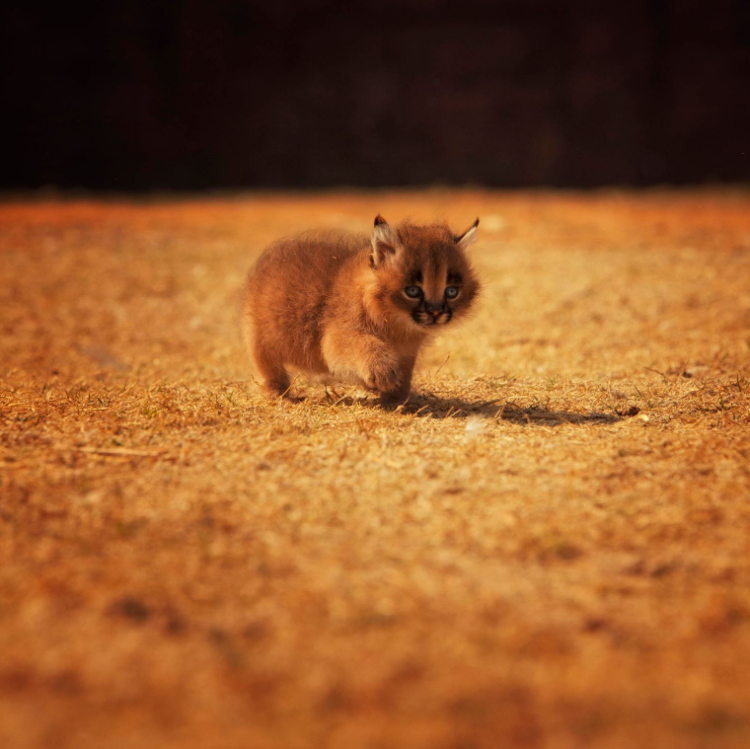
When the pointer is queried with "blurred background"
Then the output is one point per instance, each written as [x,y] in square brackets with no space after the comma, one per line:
[132,95]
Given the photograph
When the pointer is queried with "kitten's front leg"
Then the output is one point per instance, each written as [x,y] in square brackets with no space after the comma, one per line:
[365,356]
[382,375]
[400,394]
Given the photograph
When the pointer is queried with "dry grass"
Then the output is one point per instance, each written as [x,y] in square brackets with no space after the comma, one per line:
[549,548]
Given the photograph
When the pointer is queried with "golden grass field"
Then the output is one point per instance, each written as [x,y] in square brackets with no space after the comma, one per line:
[549,546]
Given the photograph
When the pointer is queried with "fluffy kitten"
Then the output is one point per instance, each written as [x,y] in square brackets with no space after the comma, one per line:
[356,309]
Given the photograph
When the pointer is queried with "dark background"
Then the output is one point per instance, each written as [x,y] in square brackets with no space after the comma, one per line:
[187,94]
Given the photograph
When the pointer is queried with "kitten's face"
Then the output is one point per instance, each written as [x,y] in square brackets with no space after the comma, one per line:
[424,277]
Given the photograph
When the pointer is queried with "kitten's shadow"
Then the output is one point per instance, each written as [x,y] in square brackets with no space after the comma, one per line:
[444,408]
[432,406]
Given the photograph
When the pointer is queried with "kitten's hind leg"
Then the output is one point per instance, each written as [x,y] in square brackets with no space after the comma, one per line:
[275,380]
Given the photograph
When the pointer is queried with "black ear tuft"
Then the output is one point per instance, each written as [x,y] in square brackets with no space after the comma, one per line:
[385,241]
[468,238]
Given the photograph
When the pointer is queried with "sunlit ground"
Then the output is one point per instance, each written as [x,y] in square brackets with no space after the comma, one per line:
[549,547]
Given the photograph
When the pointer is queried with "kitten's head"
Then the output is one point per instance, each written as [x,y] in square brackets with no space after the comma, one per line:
[422,276]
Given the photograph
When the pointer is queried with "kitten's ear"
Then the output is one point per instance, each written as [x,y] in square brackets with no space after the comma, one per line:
[468,237]
[385,241]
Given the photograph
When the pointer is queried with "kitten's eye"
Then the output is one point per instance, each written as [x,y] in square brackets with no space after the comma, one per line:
[414,292]
[451,292]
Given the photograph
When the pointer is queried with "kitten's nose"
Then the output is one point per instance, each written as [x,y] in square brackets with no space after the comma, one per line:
[434,309]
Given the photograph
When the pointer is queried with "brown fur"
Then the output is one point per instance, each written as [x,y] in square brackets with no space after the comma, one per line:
[335,305]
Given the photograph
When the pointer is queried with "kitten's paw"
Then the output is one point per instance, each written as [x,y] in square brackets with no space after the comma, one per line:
[276,389]
[384,378]
[395,399]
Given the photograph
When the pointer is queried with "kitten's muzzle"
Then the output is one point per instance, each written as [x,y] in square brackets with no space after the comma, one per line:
[433,314]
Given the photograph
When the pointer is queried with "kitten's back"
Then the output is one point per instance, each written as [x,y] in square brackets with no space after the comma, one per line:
[316,253]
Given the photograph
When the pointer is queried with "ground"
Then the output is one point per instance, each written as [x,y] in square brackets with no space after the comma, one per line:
[548,547]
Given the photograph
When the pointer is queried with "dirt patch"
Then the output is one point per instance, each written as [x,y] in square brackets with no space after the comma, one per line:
[548,546]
